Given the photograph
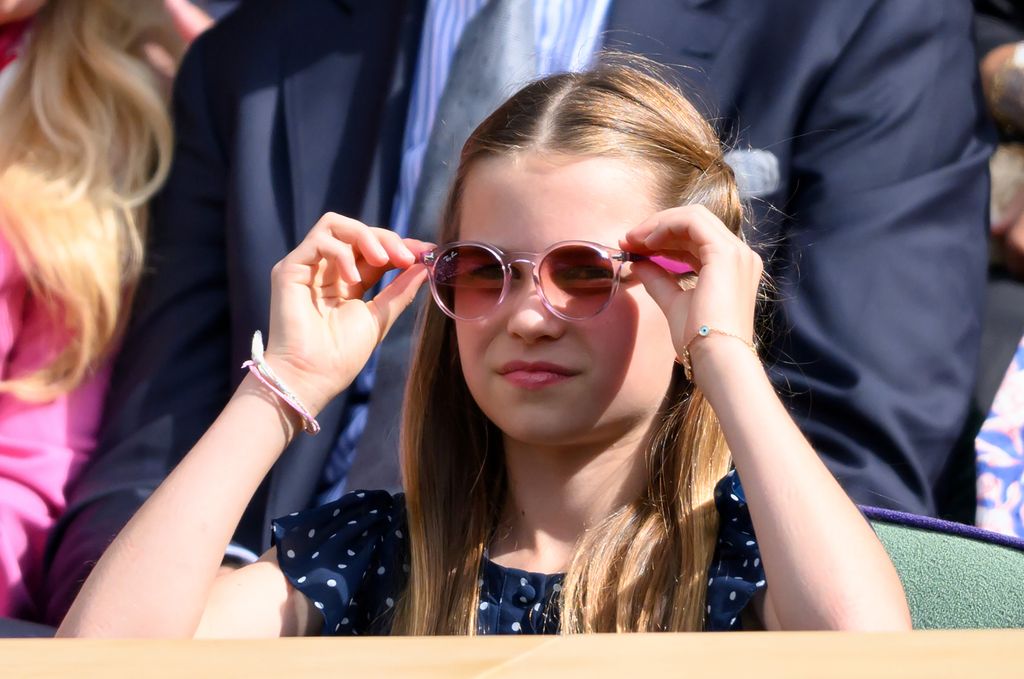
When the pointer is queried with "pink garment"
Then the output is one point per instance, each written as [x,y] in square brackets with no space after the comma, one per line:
[42,445]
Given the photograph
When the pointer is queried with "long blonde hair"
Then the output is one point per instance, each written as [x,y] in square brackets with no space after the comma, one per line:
[86,142]
[645,568]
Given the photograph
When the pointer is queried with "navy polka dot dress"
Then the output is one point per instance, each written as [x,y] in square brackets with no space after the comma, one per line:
[350,558]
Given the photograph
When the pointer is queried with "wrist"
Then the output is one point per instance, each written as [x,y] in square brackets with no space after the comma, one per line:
[307,401]
[312,396]
[705,332]
[716,359]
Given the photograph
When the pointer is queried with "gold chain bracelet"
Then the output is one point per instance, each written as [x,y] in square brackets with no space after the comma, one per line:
[704,331]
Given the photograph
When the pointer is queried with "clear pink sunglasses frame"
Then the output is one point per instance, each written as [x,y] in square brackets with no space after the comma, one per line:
[534,259]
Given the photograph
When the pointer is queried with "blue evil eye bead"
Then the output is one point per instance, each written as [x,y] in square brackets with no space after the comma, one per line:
[704,331]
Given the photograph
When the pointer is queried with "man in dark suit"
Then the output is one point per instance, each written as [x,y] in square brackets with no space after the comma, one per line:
[872,210]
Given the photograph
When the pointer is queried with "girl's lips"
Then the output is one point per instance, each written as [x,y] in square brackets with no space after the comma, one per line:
[536,375]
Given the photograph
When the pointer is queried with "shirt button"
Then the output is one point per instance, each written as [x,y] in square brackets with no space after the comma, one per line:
[526,594]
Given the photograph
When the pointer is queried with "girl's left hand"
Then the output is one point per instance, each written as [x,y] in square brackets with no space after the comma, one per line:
[728,273]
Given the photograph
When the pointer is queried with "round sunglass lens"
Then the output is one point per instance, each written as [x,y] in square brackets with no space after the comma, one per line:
[469,280]
[577,280]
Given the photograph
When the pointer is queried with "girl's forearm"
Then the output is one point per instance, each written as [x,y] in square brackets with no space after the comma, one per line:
[154,579]
[825,567]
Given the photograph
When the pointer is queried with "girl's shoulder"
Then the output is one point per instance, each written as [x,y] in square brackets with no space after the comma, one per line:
[348,557]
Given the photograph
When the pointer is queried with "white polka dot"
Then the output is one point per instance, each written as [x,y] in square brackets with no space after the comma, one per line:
[342,565]
[536,607]
[750,543]
[315,555]
[398,533]
[745,562]
[733,496]
[336,512]
[332,583]
[290,553]
[344,621]
[522,581]
[380,571]
[732,596]
[756,562]
[483,605]
[312,532]
[405,567]
[759,583]
[360,495]
[294,514]
[364,533]
[516,627]
[556,587]
[352,522]
[373,511]
[351,553]
[337,627]
[732,622]
[523,600]
[318,605]
[709,608]
[301,580]
[480,582]
[390,602]
[710,580]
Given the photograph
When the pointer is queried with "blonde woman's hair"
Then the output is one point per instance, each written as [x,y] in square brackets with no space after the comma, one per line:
[644,568]
[86,141]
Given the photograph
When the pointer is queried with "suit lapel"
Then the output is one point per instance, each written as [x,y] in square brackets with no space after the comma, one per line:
[337,64]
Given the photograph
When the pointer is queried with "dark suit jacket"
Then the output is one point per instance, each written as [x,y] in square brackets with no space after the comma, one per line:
[287,110]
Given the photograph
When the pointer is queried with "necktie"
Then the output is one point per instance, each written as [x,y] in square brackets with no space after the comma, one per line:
[1000,455]
[494,56]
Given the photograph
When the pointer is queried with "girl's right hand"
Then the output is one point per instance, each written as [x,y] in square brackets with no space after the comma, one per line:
[321,331]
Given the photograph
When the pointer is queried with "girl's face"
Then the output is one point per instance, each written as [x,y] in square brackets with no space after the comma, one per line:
[542,380]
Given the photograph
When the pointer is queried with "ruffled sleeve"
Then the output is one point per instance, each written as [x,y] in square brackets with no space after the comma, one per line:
[736,573]
[349,558]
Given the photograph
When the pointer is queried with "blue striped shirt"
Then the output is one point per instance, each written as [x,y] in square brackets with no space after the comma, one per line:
[567,37]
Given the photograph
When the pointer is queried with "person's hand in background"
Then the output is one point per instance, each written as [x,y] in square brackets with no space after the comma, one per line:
[1008,233]
[189,20]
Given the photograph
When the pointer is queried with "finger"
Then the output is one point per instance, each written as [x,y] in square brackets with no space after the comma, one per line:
[370,248]
[398,252]
[343,257]
[390,302]
[418,247]
[685,229]
[661,285]
[188,19]
[689,229]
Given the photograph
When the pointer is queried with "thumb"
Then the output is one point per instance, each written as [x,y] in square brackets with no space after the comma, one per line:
[390,302]
[188,19]
[660,284]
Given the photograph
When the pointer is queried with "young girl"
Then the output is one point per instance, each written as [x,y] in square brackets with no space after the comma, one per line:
[573,415]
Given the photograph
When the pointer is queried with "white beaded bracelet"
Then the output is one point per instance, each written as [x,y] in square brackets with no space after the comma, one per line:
[259,368]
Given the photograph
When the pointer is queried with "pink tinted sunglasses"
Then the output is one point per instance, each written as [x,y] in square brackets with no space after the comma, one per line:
[575,280]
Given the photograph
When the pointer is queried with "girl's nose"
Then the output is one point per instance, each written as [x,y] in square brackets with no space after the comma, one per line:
[528,317]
